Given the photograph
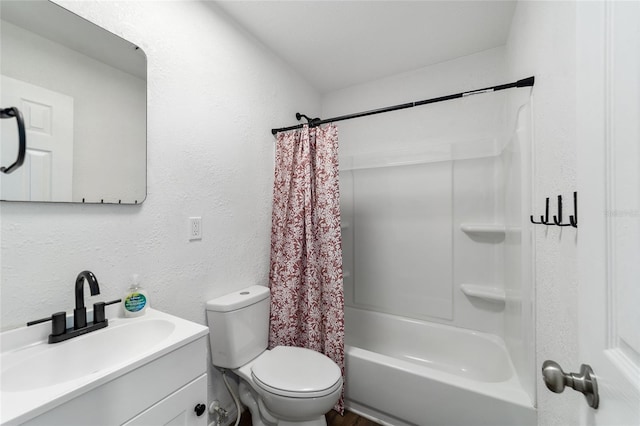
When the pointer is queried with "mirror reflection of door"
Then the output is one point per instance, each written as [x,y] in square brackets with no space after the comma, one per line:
[47,46]
[46,174]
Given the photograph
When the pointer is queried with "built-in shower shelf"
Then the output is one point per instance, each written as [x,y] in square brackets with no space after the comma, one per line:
[346,274]
[491,294]
[483,228]
[344,225]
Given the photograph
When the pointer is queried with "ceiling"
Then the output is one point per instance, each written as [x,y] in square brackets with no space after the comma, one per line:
[336,44]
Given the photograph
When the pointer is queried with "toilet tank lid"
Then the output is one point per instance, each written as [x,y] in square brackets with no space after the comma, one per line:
[238,299]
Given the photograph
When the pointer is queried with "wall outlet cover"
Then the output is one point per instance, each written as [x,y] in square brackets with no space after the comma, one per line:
[195,228]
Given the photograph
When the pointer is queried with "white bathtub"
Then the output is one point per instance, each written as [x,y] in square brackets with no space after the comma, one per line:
[408,372]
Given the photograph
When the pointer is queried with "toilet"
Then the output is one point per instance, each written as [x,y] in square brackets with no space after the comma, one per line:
[284,386]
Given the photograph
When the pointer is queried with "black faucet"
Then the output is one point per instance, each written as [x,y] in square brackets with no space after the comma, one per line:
[80,312]
[59,330]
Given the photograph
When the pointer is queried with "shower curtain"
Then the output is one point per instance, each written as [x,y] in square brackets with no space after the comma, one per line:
[307,297]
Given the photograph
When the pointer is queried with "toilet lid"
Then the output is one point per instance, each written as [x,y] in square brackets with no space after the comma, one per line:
[296,372]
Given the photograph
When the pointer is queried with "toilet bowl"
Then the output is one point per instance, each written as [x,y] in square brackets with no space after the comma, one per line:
[294,385]
[284,386]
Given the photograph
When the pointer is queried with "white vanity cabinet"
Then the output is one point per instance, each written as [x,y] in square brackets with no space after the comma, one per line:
[178,409]
[162,391]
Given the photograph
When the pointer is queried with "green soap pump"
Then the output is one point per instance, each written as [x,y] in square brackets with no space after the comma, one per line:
[135,302]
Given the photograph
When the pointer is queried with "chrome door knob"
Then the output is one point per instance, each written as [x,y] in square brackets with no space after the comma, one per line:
[584,381]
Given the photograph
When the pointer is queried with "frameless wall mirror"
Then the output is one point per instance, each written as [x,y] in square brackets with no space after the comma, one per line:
[82,93]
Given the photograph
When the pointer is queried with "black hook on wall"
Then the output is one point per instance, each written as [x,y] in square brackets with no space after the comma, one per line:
[544,220]
[557,219]
[573,219]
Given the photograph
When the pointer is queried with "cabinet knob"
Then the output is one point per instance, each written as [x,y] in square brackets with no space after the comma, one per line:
[199,409]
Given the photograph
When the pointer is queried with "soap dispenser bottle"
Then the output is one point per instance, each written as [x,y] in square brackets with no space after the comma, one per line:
[135,301]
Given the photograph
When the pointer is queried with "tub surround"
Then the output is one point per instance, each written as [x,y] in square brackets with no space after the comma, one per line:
[434,200]
[436,168]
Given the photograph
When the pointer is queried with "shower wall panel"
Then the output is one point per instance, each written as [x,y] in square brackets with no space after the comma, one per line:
[402,229]
[477,257]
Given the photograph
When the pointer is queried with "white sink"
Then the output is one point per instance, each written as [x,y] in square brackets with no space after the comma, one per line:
[51,364]
[36,376]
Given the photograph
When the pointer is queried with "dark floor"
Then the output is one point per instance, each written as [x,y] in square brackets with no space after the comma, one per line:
[333,419]
[349,419]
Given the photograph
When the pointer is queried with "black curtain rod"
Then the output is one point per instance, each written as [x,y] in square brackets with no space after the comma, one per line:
[312,122]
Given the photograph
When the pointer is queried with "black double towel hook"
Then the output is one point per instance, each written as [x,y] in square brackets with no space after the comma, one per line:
[13,112]
[557,219]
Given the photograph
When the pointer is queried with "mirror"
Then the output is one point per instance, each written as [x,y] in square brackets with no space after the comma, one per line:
[82,93]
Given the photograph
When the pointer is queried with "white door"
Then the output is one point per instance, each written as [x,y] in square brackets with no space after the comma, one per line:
[47,171]
[608,146]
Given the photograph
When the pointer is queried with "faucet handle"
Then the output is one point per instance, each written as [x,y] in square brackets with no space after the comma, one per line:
[98,310]
[58,323]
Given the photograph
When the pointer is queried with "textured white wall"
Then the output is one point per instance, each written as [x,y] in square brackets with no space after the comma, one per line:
[542,43]
[213,96]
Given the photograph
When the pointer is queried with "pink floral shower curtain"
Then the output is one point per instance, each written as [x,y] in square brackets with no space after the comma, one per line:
[307,297]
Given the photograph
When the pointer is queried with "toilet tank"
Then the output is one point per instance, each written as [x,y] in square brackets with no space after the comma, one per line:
[238,326]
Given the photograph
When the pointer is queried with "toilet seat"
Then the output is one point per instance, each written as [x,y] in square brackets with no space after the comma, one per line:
[296,373]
